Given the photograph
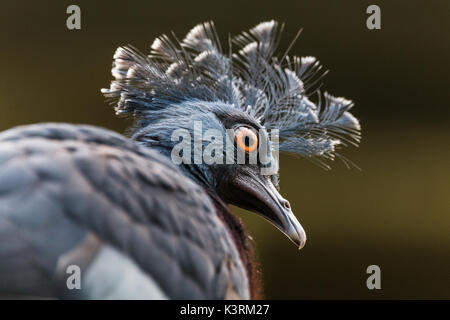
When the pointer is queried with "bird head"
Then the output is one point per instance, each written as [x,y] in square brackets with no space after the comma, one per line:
[223,119]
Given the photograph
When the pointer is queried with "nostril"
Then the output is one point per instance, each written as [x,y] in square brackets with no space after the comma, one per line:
[287,205]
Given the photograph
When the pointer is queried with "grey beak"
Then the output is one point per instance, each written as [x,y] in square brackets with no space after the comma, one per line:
[264,199]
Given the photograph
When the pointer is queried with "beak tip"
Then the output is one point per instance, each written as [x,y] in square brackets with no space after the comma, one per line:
[295,232]
[297,236]
[301,244]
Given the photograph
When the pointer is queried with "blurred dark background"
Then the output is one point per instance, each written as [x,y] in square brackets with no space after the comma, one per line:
[395,213]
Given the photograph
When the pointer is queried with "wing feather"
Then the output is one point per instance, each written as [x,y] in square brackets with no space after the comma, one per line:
[62,184]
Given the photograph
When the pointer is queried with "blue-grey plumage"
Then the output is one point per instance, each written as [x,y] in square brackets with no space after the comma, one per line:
[61,185]
[138,225]
[275,91]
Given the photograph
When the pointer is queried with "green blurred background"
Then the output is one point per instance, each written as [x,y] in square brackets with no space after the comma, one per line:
[393,213]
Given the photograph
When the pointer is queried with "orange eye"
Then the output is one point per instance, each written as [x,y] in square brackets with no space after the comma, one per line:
[246,139]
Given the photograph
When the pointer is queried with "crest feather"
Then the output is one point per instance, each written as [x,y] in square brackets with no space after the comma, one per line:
[276,92]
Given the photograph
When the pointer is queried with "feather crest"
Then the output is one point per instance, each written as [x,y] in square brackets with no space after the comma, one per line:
[275,92]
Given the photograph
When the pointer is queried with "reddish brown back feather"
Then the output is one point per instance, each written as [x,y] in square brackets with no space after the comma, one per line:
[245,247]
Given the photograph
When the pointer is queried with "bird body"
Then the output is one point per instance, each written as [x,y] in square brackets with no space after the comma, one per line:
[84,195]
[136,223]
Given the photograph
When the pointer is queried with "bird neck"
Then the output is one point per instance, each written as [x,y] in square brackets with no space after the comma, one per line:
[234,226]
[241,240]
[202,176]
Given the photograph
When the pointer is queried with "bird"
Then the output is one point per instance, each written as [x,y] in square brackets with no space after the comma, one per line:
[135,223]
